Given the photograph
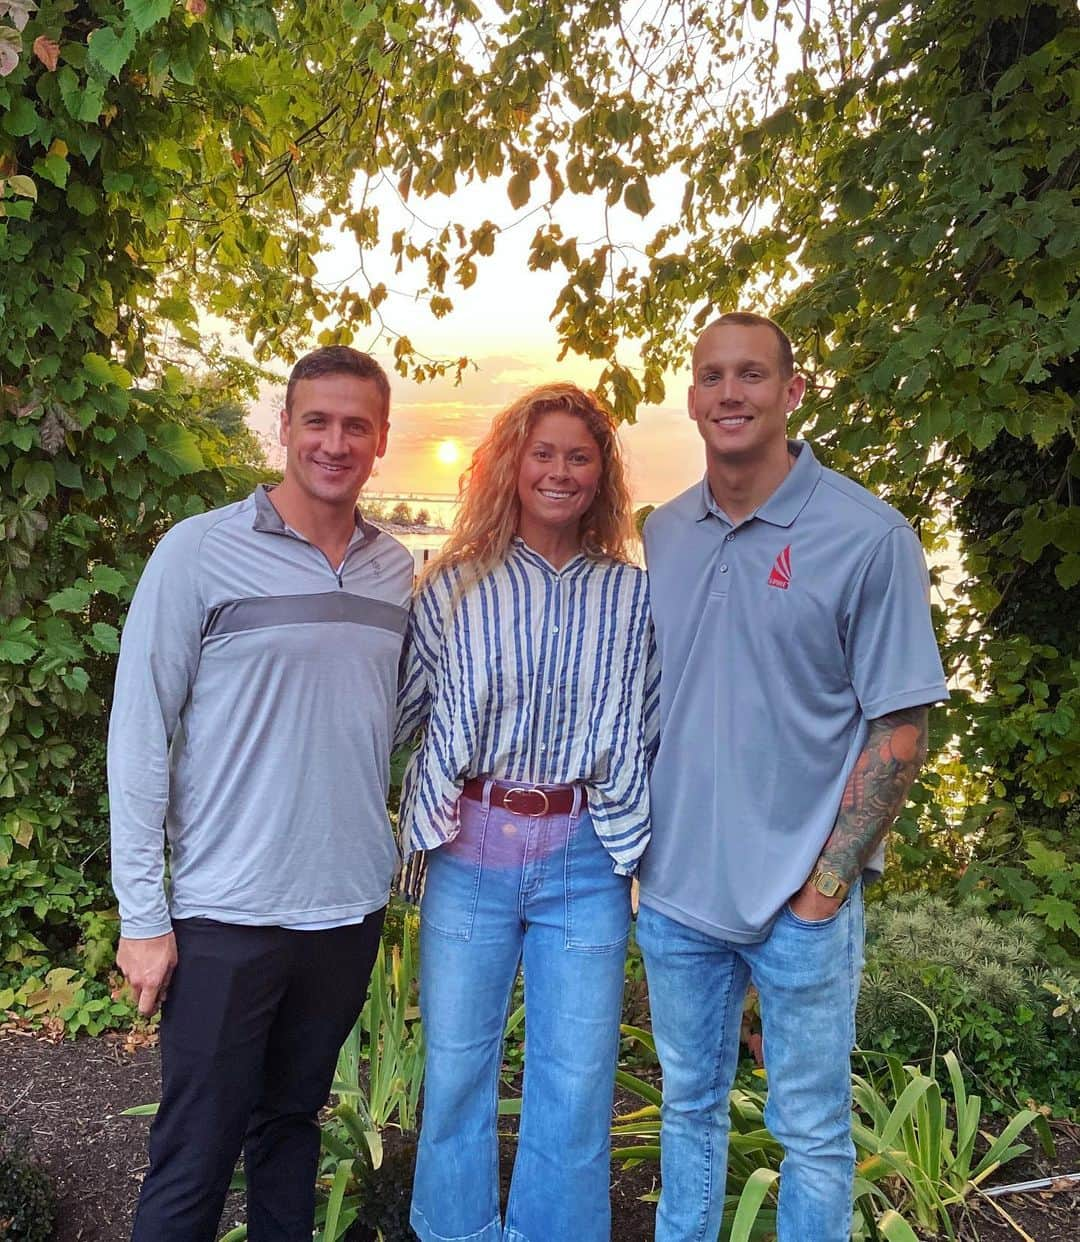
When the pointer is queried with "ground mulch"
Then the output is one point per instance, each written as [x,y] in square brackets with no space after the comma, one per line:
[66,1098]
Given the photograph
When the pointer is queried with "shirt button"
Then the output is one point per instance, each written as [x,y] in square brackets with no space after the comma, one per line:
[723,569]
[728,538]
[549,689]
[556,629]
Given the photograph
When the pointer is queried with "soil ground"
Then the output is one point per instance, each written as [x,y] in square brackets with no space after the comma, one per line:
[66,1099]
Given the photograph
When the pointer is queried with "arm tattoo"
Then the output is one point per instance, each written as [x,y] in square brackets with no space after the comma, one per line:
[876,790]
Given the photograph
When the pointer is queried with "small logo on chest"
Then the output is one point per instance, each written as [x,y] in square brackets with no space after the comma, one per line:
[780,574]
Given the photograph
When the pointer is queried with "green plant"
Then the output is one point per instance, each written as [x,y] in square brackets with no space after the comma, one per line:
[1032,870]
[69,1000]
[381,1065]
[27,1199]
[982,980]
[904,1138]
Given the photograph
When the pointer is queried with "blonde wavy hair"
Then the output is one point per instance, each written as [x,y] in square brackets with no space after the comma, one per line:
[489,509]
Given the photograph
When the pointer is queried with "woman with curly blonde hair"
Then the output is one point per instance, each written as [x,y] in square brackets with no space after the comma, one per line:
[526,664]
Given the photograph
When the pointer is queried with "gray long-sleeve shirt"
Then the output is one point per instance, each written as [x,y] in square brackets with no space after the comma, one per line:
[252,720]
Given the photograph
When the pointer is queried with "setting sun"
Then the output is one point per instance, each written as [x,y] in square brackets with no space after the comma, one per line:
[448,452]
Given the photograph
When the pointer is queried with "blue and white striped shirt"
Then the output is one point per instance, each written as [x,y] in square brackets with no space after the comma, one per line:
[533,675]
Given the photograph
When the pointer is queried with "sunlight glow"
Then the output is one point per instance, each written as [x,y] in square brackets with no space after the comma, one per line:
[448,452]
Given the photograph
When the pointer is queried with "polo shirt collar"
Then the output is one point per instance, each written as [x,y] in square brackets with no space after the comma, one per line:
[786,503]
[268,520]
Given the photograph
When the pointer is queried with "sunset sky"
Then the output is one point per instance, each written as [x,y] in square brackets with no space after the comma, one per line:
[501,322]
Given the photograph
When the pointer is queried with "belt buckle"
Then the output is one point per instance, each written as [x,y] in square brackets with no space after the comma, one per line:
[513,793]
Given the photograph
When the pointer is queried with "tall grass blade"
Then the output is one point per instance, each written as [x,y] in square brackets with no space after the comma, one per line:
[758,1185]
[331,1228]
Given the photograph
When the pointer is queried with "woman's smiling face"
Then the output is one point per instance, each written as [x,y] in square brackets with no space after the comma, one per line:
[559,473]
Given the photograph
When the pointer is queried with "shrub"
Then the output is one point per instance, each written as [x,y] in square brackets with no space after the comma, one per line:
[27,1200]
[985,983]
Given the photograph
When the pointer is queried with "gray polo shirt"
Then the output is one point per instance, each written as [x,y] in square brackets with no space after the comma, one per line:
[779,638]
[254,706]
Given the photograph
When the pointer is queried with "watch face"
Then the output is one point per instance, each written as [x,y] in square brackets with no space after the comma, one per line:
[827,885]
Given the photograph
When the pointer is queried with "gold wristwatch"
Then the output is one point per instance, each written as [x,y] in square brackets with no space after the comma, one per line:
[828,883]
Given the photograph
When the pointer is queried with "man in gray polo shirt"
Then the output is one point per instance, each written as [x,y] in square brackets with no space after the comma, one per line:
[251,726]
[797,661]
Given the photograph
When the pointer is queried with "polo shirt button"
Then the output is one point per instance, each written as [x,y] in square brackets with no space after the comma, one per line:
[723,569]
[728,538]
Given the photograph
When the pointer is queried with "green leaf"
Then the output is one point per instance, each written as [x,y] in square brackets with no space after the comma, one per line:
[1067,570]
[17,209]
[98,370]
[81,198]
[70,599]
[111,581]
[90,101]
[147,13]
[856,202]
[77,679]
[757,1186]
[110,50]
[53,168]
[1058,913]
[16,647]
[39,480]
[104,638]
[70,90]
[68,473]
[21,118]
[175,450]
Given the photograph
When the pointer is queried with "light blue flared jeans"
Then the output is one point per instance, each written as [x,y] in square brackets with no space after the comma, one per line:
[539,890]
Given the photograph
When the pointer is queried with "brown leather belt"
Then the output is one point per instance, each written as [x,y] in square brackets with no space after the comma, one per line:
[525,799]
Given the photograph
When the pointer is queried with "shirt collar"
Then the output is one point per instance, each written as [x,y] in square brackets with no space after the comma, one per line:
[786,503]
[268,520]
[522,549]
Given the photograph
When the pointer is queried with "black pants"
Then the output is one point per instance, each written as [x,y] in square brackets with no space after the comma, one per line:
[250,1034]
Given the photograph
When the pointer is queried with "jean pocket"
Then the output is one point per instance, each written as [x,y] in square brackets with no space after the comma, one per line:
[815,924]
[451,892]
[597,900]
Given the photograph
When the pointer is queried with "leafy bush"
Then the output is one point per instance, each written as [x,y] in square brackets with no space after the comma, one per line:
[984,982]
[1027,866]
[27,1200]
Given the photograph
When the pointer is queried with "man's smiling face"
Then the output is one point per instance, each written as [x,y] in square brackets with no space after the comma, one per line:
[333,433]
[741,397]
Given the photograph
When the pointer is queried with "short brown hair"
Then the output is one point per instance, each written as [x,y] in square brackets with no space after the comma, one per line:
[748,319]
[340,360]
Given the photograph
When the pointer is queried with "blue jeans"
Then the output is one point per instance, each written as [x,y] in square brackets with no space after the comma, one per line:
[807,976]
[539,890]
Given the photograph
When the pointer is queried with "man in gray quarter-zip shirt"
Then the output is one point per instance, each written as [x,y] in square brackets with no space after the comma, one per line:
[251,728]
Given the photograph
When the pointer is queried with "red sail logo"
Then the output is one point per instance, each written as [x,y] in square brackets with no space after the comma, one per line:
[780,574]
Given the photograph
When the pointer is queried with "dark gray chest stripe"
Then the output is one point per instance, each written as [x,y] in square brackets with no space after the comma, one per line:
[239,615]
